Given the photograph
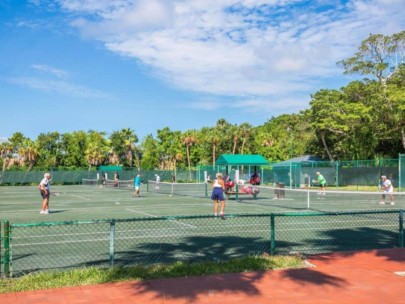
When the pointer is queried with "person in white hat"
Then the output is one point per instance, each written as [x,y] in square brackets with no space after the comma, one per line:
[387,188]
[44,189]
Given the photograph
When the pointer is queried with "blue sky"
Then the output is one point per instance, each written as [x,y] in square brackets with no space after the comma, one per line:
[68,65]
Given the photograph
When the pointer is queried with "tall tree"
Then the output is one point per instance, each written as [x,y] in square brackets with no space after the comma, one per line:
[378,55]
[49,150]
[73,147]
[188,139]
[6,153]
[123,145]
[151,157]
[245,133]
[96,152]
[29,153]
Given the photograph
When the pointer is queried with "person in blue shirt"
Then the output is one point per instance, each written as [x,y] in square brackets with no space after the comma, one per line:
[137,185]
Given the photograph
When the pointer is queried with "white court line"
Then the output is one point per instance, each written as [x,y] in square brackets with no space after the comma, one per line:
[85,198]
[151,215]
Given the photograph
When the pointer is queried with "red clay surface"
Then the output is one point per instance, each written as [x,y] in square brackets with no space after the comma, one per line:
[344,277]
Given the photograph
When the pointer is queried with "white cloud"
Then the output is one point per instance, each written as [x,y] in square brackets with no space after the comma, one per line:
[59,87]
[263,50]
[51,70]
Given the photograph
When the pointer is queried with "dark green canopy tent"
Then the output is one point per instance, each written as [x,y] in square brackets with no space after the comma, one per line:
[252,161]
[241,160]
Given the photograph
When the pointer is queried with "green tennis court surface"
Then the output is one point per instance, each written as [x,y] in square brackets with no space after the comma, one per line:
[160,227]
[21,204]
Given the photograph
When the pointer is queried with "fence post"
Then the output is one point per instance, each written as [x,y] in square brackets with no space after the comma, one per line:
[272,235]
[399,171]
[147,186]
[206,189]
[401,228]
[337,174]
[112,241]
[6,241]
[236,191]
[1,246]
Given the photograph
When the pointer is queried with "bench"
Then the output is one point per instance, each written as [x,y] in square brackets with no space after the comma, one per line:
[231,193]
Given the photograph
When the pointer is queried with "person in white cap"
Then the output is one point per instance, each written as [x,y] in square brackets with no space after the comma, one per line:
[45,193]
[387,188]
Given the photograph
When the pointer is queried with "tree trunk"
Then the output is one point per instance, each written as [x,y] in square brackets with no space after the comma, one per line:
[326,147]
[189,162]
[234,146]
[243,145]
[213,155]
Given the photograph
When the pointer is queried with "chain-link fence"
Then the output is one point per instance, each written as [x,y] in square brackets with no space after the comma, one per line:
[28,248]
[291,174]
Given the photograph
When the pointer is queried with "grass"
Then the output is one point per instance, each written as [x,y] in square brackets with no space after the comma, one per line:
[92,275]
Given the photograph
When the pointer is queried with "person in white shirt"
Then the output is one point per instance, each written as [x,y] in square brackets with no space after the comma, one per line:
[157,182]
[44,189]
[387,188]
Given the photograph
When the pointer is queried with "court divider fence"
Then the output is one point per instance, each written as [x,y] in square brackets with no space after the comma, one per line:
[294,174]
[32,247]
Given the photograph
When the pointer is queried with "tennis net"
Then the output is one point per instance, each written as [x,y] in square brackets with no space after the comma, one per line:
[90,182]
[120,184]
[330,200]
[186,189]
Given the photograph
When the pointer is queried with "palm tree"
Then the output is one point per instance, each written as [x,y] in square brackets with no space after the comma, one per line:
[188,139]
[245,131]
[213,136]
[123,145]
[97,148]
[6,153]
[235,134]
[28,152]
[130,139]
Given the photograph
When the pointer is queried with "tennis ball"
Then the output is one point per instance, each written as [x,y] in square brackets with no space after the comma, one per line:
[170,195]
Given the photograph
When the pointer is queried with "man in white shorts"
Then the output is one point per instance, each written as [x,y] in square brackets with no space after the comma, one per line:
[387,188]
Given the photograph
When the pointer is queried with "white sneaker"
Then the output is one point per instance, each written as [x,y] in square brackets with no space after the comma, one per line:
[382,203]
[42,212]
[392,203]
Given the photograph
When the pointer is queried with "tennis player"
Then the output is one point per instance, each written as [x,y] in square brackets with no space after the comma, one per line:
[217,195]
[322,183]
[137,185]
[44,189]
[157,182]
[387,188]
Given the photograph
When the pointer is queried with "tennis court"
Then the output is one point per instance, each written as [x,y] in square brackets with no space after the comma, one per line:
[21,204]
[104,226]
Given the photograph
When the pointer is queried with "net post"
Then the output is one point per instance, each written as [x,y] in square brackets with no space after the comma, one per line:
[308,200]
[272,235]
[401,228]
[236,191]
[206,189]
[147,186]
[112,241]
[6,243]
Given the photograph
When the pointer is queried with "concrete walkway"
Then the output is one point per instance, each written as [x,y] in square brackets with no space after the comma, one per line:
[376,276]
